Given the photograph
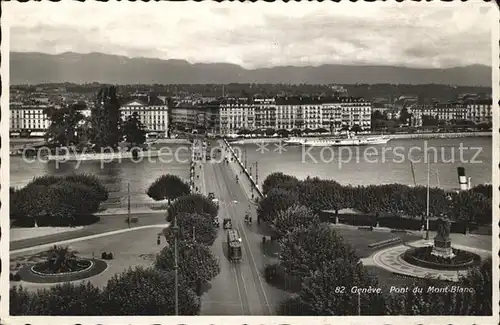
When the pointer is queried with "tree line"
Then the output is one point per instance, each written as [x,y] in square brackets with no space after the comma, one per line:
[320,268]
[57,201]
[400,203]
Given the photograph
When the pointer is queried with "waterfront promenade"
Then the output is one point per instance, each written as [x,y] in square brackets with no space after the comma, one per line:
[450,135]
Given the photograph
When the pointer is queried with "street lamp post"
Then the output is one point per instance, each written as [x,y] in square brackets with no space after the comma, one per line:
[245,152]
[257,174]
[128,204]
[428,193]
[359,303]
[175,229]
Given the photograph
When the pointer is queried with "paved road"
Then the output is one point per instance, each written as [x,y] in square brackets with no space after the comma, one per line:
[239,289]
[106,224]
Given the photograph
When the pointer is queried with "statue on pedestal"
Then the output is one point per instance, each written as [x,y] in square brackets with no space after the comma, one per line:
[442,241]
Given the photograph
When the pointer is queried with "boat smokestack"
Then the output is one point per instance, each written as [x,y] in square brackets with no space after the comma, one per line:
[462,179]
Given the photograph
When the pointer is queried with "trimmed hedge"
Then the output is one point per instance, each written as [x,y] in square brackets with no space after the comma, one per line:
[393,222]
[57,201]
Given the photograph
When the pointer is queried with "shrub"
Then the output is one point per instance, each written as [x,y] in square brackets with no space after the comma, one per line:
[69,300]
[64,300]
[104,256]
[294,217]
[293,306]
[279,180]
[168,187]
[110,256]
[192,203]
[142,291]
[195,260]
[277,200]
[307,250]
[58,201]
[204,231]
[22,302]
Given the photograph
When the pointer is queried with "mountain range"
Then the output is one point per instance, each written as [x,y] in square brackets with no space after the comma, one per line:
[38,68]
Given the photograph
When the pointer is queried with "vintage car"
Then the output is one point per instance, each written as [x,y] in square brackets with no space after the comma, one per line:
[227,223]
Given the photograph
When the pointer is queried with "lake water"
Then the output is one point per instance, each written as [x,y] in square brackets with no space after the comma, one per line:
[380,164]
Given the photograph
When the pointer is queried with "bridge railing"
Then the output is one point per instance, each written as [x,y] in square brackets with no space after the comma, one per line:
[247,174]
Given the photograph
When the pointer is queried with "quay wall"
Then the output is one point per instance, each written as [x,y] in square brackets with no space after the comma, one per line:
[451,135]
[105,156]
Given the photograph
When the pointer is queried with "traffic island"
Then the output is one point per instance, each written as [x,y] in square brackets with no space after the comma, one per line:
[422,256]
[60,264]
[31,273]
[441,256]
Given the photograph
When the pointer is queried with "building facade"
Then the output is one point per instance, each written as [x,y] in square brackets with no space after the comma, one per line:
[153,117]
[289,113]
[31,118]
[479,111]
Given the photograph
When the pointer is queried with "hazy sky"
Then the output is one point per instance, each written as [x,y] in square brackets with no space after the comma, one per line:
[260,34]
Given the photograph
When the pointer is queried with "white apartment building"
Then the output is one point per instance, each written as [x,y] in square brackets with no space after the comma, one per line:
[154,117]
[294,113]
[239,113]
[479,111]
[28,118]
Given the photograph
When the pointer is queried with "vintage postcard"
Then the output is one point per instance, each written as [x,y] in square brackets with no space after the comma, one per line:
[249,163]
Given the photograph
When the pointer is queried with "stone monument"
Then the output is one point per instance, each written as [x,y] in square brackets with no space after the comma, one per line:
[442,241]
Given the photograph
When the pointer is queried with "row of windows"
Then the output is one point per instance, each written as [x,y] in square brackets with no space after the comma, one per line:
[142,108]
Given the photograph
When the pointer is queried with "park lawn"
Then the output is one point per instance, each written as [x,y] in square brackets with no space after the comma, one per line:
[32,232]
[130,249]
[360,239]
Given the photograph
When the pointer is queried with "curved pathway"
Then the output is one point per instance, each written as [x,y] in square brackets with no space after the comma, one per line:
[68,241]
[391,260]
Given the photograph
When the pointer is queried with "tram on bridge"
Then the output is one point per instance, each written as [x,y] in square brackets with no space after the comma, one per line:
[233,245]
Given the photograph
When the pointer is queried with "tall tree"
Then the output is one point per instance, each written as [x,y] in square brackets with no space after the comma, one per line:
[278,179]
[305,251]
[142,291]
[328,291]
[105,117]
[133,130]
[295,217]
[470,206]
[275,201]
[192,203]
[197,263]
[64,123]
[404,116]
[168,187]
[193,226]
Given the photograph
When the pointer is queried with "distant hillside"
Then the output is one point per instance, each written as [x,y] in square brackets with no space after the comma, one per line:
[36,68]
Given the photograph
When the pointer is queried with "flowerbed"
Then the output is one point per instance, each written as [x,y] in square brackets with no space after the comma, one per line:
[422,257]
[72,267]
